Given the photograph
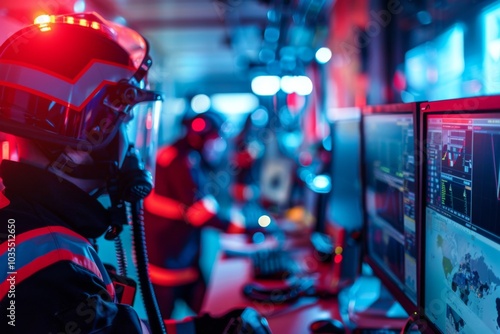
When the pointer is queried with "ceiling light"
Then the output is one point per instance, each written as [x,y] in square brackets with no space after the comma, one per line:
[266,85]
[298,84]
[200,103]
[323,55]
[304,85]
[288,84]
[234,103]
[321,184]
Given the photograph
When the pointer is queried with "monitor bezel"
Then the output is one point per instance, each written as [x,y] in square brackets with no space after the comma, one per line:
[465,105]
[389,109]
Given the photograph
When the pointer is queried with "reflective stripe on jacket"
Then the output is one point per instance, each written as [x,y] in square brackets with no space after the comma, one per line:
[38,249]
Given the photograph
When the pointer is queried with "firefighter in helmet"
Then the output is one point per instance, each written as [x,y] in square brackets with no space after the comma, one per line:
[74,100]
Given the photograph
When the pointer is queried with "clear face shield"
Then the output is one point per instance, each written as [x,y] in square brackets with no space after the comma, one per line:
[143,123]
[142,132]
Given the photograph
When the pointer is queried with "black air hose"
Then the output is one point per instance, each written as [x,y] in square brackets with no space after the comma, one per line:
[135,184]
[154,316]
[120,256]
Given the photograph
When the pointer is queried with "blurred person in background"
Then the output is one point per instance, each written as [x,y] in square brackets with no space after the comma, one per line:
[181,206]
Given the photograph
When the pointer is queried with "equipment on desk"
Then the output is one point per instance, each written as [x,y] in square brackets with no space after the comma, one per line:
[343,219]
[384,295]
[327,326]
[274,264]
[289,292]
[276,180]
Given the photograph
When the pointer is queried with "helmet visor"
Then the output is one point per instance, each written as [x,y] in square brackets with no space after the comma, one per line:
[90,128]
[77,97]
[142,131]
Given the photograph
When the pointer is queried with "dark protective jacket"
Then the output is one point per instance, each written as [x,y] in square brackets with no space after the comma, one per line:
[52,279]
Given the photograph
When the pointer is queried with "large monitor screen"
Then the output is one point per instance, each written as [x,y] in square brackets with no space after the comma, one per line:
[461,217]
[389,194]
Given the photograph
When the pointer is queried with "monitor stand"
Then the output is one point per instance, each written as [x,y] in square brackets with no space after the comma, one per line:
[368,304]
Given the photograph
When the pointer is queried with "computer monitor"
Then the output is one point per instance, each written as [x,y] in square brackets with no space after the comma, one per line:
[344,206]
[344,210]
[460,230]
[389,194]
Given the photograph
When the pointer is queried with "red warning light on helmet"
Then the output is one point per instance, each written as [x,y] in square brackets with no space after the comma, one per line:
[198,125]
[44,19]
[85,20]
[69,20]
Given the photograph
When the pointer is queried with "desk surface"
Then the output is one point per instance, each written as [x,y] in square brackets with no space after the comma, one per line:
[224,292]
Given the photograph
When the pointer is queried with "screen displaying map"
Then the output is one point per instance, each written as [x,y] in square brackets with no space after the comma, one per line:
[462,215]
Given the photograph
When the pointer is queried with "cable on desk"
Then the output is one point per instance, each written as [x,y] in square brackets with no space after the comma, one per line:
[413,320]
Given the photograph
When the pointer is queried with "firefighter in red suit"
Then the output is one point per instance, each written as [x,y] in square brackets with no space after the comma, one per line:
[72,91]
[179,207]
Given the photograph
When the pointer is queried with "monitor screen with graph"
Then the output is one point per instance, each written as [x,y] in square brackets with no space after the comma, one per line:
[461,215]
[390,185]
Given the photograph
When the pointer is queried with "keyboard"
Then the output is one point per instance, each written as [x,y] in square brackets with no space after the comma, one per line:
[274,264]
